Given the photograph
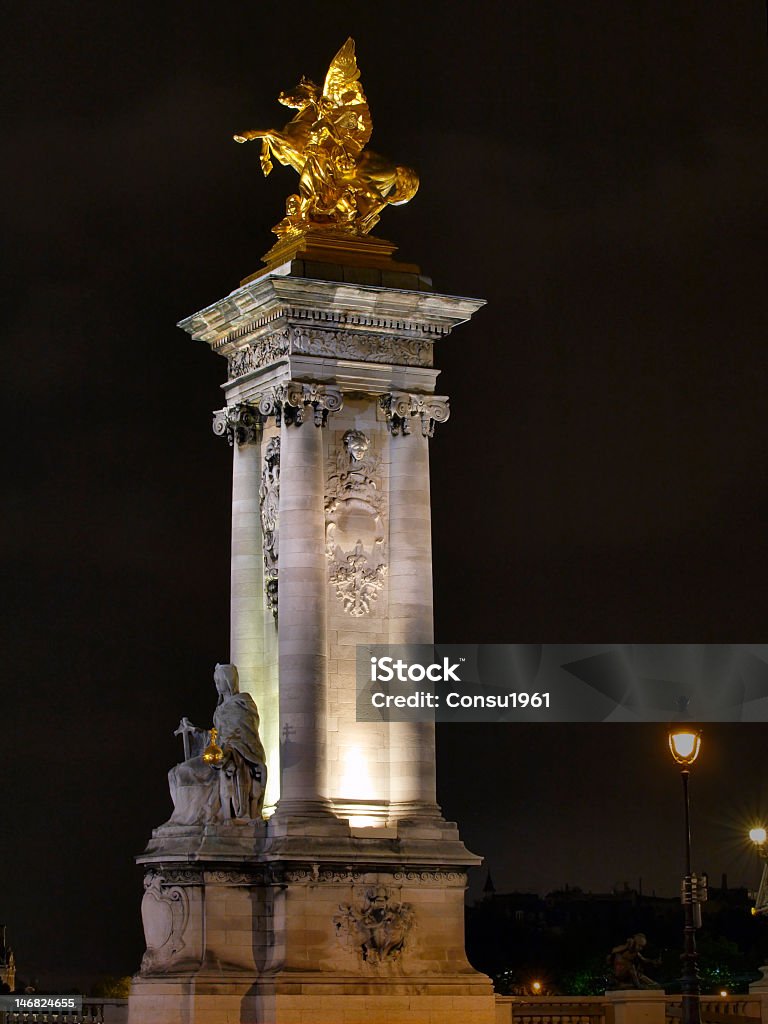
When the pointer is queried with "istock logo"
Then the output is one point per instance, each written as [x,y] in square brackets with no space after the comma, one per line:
[384,670]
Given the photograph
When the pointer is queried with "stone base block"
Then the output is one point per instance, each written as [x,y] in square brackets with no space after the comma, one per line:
[196,1000]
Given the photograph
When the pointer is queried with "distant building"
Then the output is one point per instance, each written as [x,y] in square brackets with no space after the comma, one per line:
[7,962]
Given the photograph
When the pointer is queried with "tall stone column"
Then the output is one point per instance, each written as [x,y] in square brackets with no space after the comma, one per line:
[251,622]
[412,745]
[247,567]
[302,608]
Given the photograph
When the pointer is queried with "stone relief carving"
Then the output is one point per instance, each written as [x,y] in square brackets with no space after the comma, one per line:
[317,341]
[354,526]
[164,915]
[207,792]
[258,354]
[357,585]
[375,927]
[400,407]
[269,505]
[369,348]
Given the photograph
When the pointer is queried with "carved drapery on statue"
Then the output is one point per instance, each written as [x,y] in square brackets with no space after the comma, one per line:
[342,186]
[269,507]
[354,526]
[205,793]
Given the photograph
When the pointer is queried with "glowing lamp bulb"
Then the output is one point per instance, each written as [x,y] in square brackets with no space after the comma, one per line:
[536,986]
[758,836]
[685,743]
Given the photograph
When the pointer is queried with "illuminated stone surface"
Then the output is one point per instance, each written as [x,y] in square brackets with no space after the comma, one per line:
[347,904]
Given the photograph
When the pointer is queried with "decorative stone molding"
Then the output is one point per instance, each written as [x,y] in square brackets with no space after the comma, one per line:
[354,526]
[366,347]
[269,506]
[236,877]
[314,874]
[182,876]
[164,914]
[427,877]
[376,926]
[258,354]
[238,423]
[400,407]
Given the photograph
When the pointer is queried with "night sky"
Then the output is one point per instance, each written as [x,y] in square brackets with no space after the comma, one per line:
[596,171]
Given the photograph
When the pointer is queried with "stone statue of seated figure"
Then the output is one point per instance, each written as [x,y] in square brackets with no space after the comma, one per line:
[206,793]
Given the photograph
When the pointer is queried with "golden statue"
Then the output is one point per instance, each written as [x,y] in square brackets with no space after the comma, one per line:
[342,186]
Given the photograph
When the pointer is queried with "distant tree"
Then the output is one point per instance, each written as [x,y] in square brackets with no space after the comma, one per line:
[588,980]
[112,987]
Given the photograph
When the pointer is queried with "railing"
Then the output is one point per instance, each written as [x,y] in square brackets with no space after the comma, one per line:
[550,1009]
[592,1009]
[92,1013]
[715,1008]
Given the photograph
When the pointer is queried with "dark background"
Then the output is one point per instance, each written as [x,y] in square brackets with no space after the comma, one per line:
[597,172]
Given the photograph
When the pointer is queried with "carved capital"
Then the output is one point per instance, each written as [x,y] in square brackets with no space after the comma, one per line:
[238,423]
[294,397]
[289,401]
[401,407]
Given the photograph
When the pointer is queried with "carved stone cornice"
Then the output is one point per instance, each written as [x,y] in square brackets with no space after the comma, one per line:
[289,401]
[400,407]
[299,300]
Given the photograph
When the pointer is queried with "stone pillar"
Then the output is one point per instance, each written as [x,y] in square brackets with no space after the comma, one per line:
[252,625]
[412,745]
[246,642]
[302,620]
[636,1006]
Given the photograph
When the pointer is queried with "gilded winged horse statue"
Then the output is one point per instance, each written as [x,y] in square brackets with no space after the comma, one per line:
[342,185]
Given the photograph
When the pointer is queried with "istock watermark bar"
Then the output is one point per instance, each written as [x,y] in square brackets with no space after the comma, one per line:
[562,682]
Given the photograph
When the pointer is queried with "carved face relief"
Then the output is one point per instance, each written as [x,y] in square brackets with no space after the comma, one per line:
[357,444]
[354,526]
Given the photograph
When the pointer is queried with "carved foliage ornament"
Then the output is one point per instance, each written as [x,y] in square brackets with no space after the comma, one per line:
[400,408]
[354,526]
[375,927]
[269,505]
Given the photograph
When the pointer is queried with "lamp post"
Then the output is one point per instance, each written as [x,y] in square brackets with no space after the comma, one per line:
[684,744]
[759,836]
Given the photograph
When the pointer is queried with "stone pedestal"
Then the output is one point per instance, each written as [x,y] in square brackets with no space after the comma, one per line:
[635,1006]
[347,903]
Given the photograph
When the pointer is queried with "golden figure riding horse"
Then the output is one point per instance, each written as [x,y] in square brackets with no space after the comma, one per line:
[342,186]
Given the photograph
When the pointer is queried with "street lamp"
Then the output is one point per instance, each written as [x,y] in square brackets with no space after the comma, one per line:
[684,744]
[759,836]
